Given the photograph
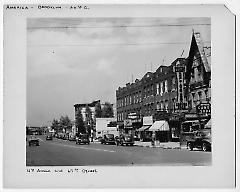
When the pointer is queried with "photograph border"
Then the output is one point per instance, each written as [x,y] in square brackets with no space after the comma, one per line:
[7,132]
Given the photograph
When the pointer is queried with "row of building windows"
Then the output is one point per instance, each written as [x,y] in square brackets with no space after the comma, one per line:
[129,100]
[161,88]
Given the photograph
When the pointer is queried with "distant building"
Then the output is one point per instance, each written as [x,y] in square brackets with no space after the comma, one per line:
[82,108]
[106,125]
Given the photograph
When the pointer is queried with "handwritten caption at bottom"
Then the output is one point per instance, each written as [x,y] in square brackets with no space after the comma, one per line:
[70,170]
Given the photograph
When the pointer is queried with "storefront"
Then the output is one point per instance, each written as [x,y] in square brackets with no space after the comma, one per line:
[175,126]
[161,131]
[143,132]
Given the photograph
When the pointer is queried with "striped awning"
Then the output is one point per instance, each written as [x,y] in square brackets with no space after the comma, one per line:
[144,128]
[159,126]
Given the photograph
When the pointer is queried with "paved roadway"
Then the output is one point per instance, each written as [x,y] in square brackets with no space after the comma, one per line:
[66,153]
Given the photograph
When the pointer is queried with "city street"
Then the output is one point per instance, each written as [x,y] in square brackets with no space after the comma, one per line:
[58,152]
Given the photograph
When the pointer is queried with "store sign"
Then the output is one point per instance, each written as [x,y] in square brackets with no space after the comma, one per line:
[180,70]
[191,115]
[132,116]
[204,108]
[181,105]
[148,120]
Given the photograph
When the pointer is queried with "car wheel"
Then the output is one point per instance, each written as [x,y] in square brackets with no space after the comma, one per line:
[204,147]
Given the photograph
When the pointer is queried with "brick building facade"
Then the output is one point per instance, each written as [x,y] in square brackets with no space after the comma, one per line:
[156,91]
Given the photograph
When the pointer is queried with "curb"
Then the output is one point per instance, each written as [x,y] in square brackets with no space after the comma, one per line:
[158,147]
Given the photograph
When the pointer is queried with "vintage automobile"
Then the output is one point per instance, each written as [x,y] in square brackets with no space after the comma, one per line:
[82,138]
[108,139]
[49,137]
[72,138]
[136,138]
[33,140]
[126,139]
[202,140]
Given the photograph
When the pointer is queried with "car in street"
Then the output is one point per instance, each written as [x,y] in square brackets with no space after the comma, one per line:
[49,137]
[136,138]
[59,135]
[82,138]
[108,139]
[72,138]
[33,140]
[65,137]
[126,139]
[202,139]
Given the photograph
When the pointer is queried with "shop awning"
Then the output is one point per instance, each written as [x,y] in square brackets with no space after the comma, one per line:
[144,127]
[209,124]
[159,126]
[193,121]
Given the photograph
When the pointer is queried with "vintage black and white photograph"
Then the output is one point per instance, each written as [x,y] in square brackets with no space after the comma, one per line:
[125,91]
[119,96]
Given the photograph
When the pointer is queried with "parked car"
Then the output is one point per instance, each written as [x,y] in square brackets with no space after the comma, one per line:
[49,137]
[201,140]
[136,138]
[60,135]
[108,139]
[65,137]
[33,140]
[83,138]
[72,138]
[126,139]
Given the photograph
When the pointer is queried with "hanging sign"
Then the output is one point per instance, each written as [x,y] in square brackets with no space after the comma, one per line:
[180,69]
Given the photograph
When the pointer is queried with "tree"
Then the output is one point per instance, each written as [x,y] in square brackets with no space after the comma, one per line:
[79,123]
[65,123]
[55,125]
[107,110]
[98,110]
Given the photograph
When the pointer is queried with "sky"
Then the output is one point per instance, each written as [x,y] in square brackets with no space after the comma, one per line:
[78,60]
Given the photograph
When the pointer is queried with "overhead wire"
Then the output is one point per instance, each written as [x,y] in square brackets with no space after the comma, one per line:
[119,26]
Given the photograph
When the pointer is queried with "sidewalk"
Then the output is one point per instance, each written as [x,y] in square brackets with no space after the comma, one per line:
[165,145]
